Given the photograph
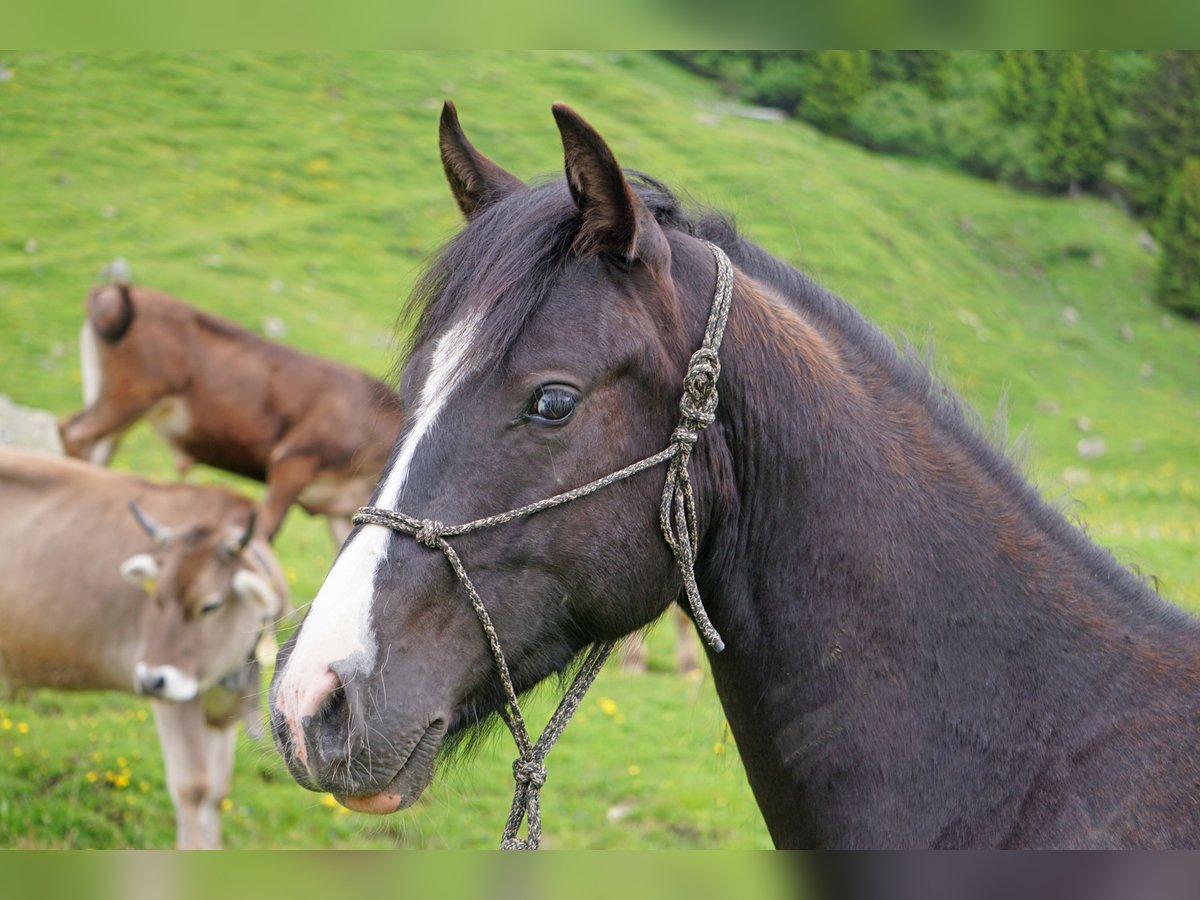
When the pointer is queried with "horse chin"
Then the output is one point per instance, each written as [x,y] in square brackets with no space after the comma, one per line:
[408,784]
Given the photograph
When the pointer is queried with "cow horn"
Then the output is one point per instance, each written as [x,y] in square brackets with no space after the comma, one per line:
[234,549]
[161,533]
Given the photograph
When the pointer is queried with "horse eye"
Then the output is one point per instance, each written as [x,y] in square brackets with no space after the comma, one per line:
[552,404]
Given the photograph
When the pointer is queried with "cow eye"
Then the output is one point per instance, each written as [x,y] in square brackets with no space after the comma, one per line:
[552,404]
[212,605]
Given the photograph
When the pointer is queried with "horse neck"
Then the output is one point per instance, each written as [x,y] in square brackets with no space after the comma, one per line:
[905,620]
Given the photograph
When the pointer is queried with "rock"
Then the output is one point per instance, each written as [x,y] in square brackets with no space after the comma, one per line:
[619,812]
[1070,315]
[1146,371]
[1125,332]
[34,429]
[1091,448]
[1083,423]
[1146,242]
[1048,407]
[273,327]
[1073,476]
[117,270]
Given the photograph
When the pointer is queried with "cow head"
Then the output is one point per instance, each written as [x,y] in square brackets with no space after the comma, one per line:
[212,595]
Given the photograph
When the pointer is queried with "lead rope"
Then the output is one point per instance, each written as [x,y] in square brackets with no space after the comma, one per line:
[677,519]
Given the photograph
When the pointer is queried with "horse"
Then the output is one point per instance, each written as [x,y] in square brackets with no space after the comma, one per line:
[919,651]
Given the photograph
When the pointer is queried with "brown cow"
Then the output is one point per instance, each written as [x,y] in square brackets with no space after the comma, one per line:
[316,431]
[204,595]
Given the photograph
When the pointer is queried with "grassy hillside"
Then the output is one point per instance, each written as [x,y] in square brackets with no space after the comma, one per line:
[308,188]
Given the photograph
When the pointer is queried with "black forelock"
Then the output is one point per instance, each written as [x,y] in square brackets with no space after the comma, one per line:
[505,262]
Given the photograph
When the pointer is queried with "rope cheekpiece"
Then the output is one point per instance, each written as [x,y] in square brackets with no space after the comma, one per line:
[677,518]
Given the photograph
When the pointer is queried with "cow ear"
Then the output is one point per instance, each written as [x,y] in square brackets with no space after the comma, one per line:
[475,180]
[141,570]
[615,220]
[257,591]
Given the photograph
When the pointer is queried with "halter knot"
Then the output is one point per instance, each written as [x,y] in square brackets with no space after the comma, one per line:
[430,533]
[699,402]
[529,771]
[684,436]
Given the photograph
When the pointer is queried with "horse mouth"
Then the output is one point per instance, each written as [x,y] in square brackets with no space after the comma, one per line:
[408,783]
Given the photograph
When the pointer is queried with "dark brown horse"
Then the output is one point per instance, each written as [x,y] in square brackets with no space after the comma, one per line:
[920,652]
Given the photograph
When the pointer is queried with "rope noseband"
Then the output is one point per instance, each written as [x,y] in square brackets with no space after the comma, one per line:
[677,518]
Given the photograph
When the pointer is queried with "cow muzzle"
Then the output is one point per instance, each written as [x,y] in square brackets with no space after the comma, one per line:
[164,683]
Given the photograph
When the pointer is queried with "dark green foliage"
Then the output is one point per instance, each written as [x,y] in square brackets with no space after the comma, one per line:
[1043,119]
[1163,128]
[1075,139]
[924,68]
[1178,279]
[1020,95]
[834,82]
[779,81]
[896,118]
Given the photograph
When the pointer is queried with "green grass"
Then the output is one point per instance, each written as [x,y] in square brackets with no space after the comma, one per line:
[308,187]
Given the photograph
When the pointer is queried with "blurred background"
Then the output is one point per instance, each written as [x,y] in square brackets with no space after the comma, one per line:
[1033,218]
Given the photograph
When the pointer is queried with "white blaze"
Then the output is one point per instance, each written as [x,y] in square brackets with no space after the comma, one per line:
[339,622]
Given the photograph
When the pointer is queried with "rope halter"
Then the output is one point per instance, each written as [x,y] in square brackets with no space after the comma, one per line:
[677,519]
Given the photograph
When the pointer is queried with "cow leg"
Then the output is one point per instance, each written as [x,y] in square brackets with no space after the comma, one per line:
[633,653]
[687,654]
[220,744]
[182,734]
[286,478]
[339,529]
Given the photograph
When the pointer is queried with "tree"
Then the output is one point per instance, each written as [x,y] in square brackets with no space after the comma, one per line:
[1019,94]
[1075,141]
[1164,128]
[923,68]
[1178,280]
[835,80]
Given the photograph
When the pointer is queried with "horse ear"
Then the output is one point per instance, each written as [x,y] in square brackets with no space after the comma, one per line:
[615,220]
[475,180]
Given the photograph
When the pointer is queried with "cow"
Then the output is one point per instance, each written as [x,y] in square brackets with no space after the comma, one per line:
[113,582]
[316,431]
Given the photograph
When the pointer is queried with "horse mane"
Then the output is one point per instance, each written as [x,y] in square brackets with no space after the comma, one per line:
[506,261]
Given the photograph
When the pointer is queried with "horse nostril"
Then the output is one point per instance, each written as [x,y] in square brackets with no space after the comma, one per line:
[326,730]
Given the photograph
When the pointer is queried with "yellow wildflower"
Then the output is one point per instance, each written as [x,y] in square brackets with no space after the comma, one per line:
[608,706]
[92,777]
[327,800]
[122,762]
[144,787]
[226,804]
[17,751]
[6,724]
[23,727]
[718,748]
[635,770]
